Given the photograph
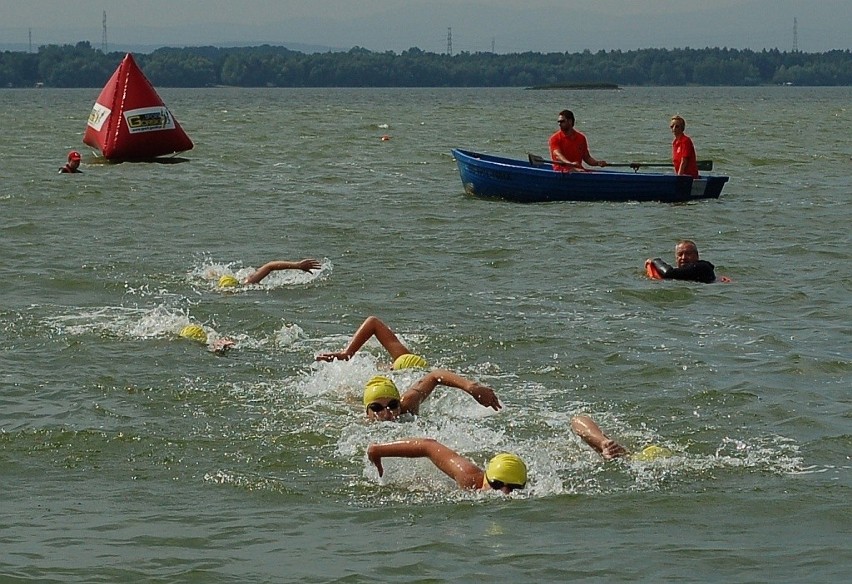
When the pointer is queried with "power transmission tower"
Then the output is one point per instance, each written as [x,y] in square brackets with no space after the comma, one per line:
[795,35]
[104,39]
[450,41]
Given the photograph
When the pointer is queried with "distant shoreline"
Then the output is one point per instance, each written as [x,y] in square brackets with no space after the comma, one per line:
[269,66]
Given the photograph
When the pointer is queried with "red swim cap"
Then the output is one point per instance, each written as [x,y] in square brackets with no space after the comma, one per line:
[74,155]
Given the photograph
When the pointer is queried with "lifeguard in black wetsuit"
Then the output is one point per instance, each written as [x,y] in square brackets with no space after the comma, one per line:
[689,267]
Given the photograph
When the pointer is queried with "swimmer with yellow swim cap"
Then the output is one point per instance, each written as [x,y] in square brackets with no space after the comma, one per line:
[383,402]
[381,396]
[228,281]
[374,327]
[651,453]
[591,433]
[195,332]
[505,472]
[409,361]
[306,265]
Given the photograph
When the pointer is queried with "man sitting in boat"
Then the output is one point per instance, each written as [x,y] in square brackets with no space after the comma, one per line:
[689,267]
[569,148]
[73,163]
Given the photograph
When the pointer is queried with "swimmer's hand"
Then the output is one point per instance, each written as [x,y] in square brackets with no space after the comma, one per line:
[375,458]
[222,345]
[485,396]
[332,356]
[611,449]
[308,264]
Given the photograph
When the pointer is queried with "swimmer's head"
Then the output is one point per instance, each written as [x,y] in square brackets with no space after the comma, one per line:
[228,281]
[194,332]
[506,472]
[381,399]
[74,155]
[652,452]
[409,360]
[379,387]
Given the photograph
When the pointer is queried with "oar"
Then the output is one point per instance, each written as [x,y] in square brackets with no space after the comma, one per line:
[702,164]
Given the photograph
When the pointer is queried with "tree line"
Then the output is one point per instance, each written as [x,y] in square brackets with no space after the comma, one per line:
[81,65]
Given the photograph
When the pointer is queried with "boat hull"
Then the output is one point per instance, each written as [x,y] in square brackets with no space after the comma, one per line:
[494,177]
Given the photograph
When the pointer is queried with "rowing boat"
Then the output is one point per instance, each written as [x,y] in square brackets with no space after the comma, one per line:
[524,181]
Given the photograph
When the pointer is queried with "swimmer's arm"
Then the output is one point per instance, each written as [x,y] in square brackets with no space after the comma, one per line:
[481,393]
[372,326]
[700,271]
[591,433]
[417,393]
[427,384]
[306,265]
[466,474]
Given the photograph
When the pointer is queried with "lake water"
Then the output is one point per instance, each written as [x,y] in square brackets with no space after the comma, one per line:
[129,454]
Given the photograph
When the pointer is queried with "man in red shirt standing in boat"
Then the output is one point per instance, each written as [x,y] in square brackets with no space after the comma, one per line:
[73,163]
[569,148]
[683,150]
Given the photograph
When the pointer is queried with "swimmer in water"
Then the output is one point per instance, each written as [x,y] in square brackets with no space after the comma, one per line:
[73,165]
[591,433]
[195,332]
[306,265]
[505,472]
[382,400]
[689,266]
[373,326]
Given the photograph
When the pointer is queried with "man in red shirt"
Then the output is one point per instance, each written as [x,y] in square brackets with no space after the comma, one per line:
[683,151]
[569,148]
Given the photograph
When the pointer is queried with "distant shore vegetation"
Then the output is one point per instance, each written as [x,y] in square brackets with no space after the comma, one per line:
[81,65]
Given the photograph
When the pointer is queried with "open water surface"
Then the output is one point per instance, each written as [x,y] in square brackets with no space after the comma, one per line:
[129,454]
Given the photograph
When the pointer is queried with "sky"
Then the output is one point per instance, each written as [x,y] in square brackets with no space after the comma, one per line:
[502,26]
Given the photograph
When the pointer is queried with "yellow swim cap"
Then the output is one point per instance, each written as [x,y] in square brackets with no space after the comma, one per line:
[378,387]
[409,360]
[507,468]
[228,281]
[652,452]
[194,332]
